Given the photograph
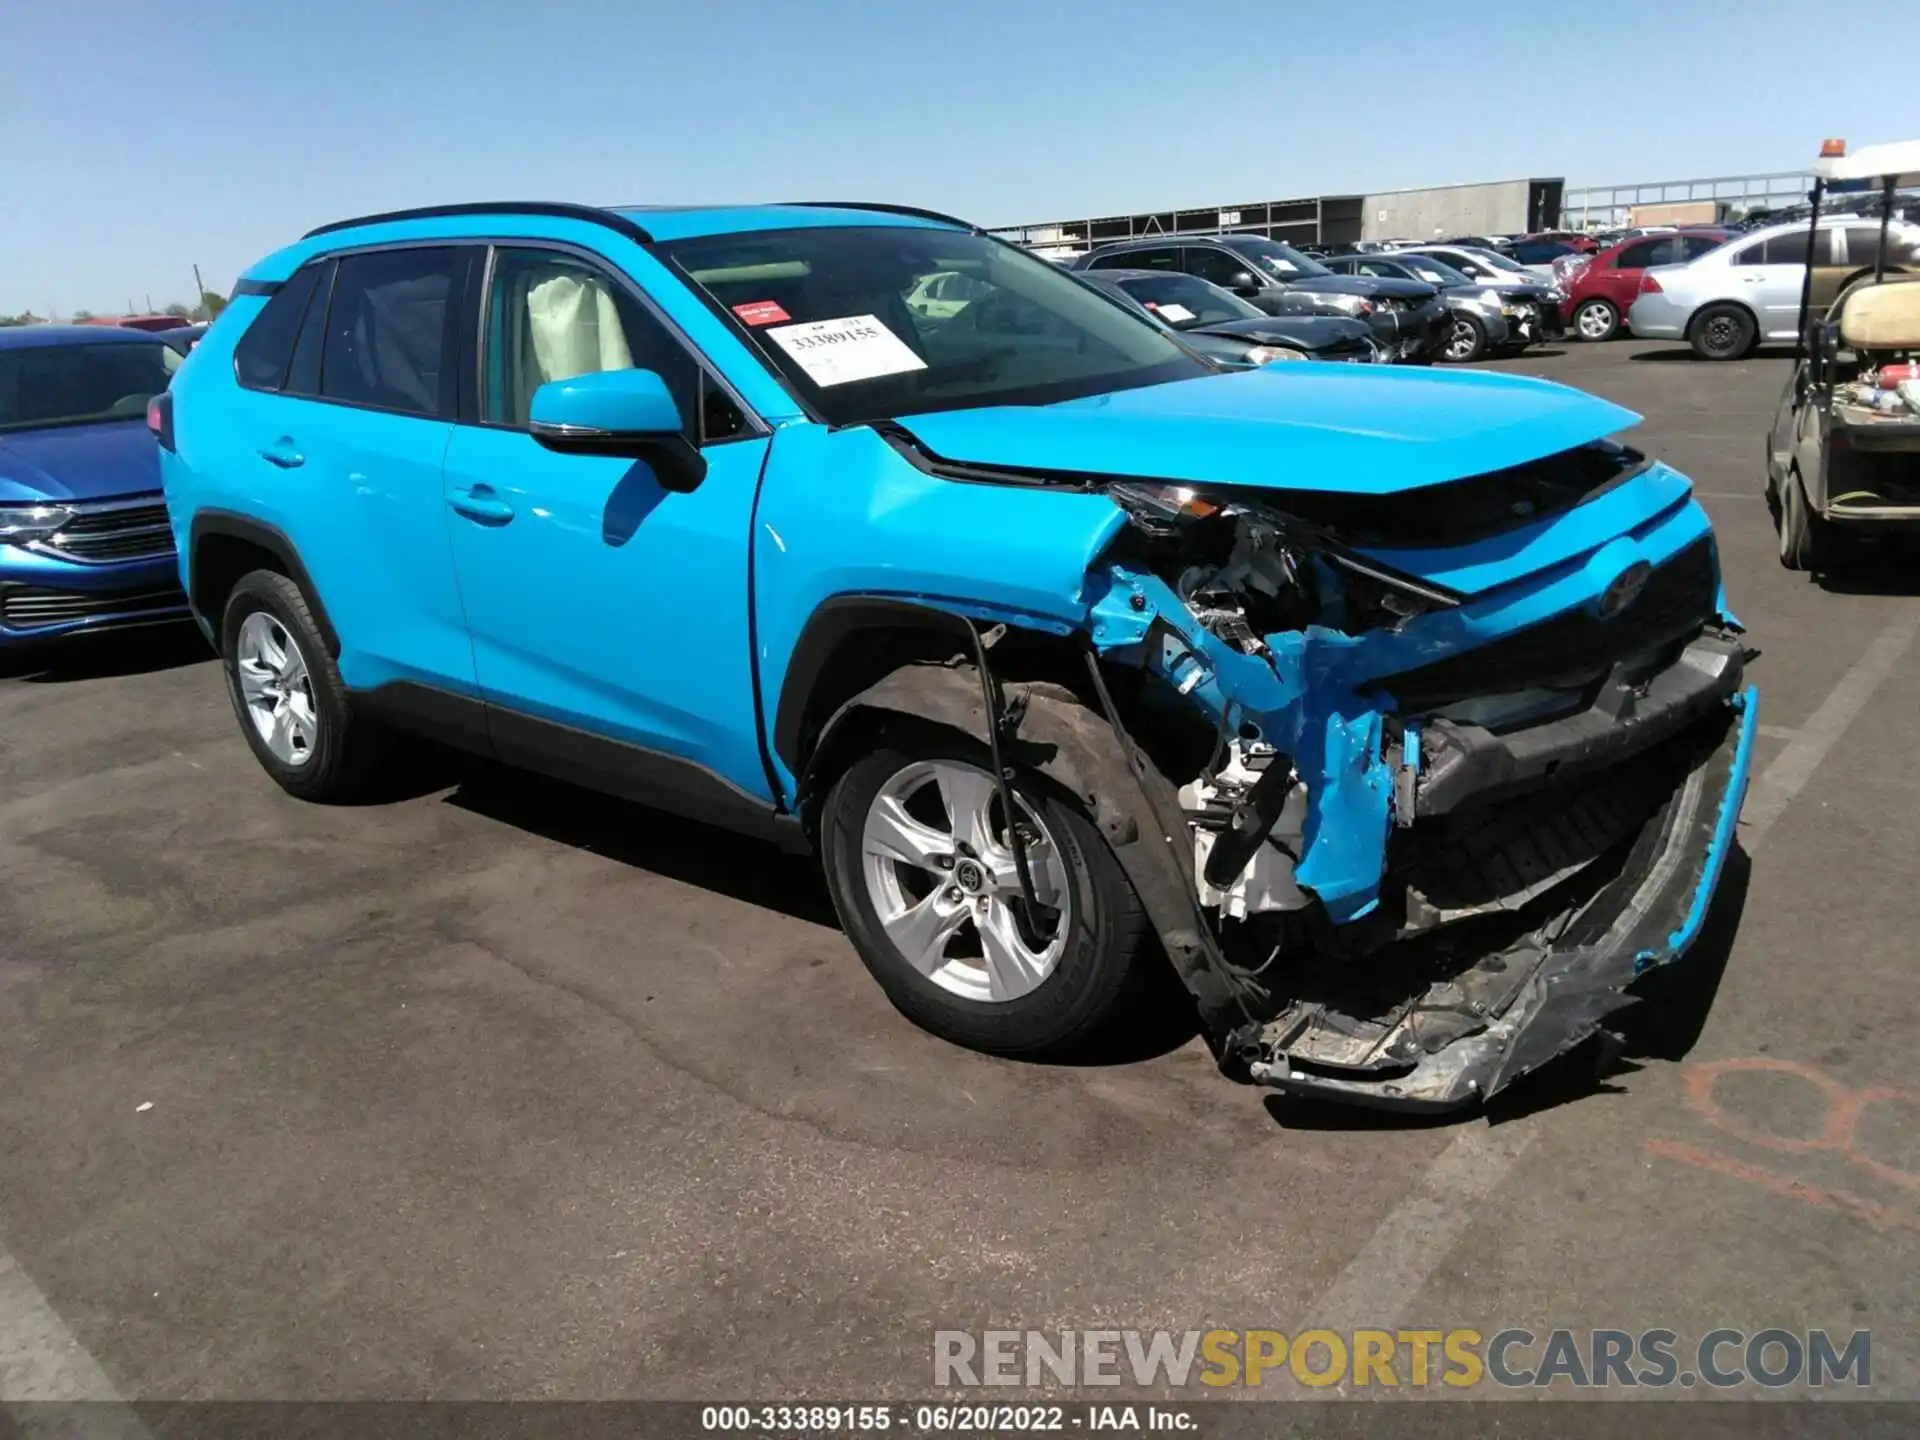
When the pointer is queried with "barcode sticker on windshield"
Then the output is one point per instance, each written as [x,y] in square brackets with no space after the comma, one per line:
[1175,312]
[838,352]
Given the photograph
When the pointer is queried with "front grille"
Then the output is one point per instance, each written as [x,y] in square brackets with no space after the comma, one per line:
[33,607]
[1575,647]
[104,537]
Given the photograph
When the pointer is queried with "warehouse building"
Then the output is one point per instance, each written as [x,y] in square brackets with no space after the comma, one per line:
[1505,207]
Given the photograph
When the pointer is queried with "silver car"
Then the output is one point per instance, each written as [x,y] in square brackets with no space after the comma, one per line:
[1747,292]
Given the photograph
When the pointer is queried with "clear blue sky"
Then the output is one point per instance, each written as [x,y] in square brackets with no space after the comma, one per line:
[137,138]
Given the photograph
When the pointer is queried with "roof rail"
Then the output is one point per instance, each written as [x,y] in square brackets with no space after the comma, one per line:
[885,209]
[592,214]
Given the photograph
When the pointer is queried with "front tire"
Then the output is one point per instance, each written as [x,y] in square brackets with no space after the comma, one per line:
[1596,320]
[917,858]
[287,694]
[1467,340]
[1722,332]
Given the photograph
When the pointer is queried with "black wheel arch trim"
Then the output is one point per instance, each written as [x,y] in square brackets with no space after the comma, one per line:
[230,524]
[833,623]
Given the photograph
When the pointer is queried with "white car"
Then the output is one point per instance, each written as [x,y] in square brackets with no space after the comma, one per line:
[1747,292]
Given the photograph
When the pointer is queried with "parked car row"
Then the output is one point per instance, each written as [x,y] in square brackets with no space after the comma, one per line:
[1406,319]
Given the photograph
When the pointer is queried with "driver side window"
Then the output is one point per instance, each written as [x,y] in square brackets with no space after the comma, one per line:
[551,316]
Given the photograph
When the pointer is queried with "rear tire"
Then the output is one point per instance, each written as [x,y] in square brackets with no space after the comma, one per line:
[1722,332]
[1596,320]
[1096,949]
[293,707]
[1804,543]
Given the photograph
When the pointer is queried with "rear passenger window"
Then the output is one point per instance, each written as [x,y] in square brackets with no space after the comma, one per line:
[260,359]
[303,375]
[391,332]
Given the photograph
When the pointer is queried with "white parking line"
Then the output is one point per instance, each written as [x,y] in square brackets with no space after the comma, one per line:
[1392,1267]
[41,1362]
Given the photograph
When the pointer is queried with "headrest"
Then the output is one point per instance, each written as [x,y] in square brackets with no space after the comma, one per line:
[1882,317]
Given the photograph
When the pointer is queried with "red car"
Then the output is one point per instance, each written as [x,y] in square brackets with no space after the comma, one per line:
[137,322]
[1602,291]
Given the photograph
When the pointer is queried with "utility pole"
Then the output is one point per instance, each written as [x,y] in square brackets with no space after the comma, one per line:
[149,302]
[199,293]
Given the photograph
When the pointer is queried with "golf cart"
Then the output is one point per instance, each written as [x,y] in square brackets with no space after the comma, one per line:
[1843,459]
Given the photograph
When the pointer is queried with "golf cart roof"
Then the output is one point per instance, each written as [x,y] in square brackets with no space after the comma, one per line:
[1899,159]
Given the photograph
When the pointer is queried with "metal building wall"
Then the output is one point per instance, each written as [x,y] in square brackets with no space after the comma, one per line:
[1496,209]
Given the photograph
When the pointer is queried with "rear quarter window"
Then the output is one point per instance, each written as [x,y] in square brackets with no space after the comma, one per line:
[260,360]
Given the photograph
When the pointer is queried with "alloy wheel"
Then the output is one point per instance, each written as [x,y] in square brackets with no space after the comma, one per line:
[1463,341]
[1595,321]
[940,872]
[277,689]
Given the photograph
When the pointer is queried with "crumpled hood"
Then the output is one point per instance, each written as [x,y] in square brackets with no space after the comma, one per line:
[79,462]
[1347,429]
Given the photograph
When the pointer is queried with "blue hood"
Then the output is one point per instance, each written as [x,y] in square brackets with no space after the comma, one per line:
[79,462]
[1348,429]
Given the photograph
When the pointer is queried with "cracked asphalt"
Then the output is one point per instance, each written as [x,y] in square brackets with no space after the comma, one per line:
[508,1090]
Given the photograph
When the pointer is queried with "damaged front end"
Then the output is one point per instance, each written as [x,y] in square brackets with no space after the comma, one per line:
[1454,766]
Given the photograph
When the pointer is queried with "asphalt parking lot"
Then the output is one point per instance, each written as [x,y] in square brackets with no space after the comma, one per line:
[503,1090]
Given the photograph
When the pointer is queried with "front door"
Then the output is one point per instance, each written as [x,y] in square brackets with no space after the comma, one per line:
[609,616]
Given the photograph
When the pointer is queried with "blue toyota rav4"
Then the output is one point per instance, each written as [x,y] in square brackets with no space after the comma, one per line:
[1400,713]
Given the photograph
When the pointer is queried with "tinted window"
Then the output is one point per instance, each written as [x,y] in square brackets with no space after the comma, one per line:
[1218,266]
[260,359]
[1863,245]
[1791,249]
[303,375]
[1162,259]
[551,317]
[390,330]
[1754,254]
[1698,245]
[1638,256]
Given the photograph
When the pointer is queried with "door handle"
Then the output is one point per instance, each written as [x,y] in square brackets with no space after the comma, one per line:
[284,453]
[480,503]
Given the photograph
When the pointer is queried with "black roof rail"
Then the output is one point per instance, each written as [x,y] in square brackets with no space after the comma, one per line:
[885,209]
[592,214]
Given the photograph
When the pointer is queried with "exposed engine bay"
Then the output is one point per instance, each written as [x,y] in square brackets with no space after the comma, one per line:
[1429,864]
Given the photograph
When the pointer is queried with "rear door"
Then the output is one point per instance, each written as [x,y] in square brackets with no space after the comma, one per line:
[340,435]
[1772,272]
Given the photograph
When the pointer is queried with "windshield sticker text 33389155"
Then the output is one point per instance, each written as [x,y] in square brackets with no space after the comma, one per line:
[853,347]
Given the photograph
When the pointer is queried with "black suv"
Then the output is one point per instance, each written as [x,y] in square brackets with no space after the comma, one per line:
[1408,320]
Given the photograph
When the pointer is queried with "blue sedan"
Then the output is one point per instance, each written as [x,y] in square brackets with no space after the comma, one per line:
[84,539]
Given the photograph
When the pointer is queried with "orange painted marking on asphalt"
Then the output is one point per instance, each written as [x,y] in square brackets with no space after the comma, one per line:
[1844,1109]
[1881,1217]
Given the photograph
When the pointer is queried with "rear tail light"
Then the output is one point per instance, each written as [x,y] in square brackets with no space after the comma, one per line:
[1649,285]
[160,418]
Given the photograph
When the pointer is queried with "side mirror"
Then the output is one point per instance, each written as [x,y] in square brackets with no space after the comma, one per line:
[626,413]
[1242,282]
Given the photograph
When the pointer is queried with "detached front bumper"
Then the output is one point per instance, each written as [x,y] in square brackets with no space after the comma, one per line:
[1471,1035]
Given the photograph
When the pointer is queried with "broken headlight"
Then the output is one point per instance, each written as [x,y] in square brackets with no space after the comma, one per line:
[1252,543]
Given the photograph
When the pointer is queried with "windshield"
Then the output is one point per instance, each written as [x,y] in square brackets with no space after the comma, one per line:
[42,385]
[870,322]
[1435,272]
[1184,301]
[1282,260]
[1500,262]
